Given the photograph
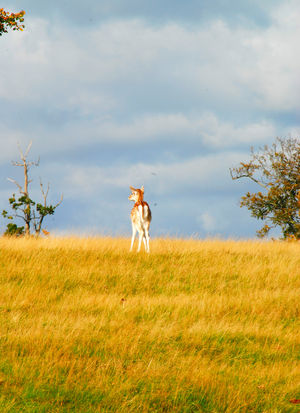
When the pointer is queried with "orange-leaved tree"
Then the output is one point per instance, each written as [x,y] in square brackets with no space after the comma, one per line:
[276,169]
[11,21]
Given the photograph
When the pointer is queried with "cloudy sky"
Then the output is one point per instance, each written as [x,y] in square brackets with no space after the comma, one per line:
[168,94]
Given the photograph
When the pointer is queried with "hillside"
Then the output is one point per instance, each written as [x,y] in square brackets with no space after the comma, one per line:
[206,326]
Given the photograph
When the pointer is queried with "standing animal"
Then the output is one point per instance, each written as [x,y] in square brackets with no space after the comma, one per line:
[140,218]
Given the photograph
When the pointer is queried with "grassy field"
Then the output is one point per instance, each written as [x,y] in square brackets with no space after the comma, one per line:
[196,326]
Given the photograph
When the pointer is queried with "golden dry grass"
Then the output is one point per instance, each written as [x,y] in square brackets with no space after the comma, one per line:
[206,326]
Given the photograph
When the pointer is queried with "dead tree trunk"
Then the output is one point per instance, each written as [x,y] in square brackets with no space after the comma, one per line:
[25,164]
[31,212]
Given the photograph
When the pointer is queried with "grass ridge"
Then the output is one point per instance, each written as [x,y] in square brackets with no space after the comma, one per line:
[196,326]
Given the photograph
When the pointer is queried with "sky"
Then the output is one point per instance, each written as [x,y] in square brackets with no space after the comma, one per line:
[168,95]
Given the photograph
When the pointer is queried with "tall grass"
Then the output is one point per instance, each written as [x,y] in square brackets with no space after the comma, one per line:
[196,326]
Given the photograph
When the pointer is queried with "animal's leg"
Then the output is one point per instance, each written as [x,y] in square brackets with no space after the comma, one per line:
[147,237]
[141,235]
[133,236]
[147,240]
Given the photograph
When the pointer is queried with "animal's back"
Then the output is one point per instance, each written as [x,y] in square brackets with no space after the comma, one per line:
[146,212]
[141,213]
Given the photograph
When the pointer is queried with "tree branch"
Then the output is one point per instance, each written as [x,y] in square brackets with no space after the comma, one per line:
[23,156]
[61,199]
[258,182]
[28,149]
[45,194]
[247,175]
[16,183]
[15,163]
[20,216]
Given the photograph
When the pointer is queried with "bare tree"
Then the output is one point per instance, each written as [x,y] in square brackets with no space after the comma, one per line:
[24,207]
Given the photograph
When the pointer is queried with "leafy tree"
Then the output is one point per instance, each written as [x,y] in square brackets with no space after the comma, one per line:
[14,230]
[23,207]
[276,169]
[11,21]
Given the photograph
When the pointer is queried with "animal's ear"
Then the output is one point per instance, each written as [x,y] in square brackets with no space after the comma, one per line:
[142,189]
[132,188]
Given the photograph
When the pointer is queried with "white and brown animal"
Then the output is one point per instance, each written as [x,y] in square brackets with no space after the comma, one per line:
[140,218]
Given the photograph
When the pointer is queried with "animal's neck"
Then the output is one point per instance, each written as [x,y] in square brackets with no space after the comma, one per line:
[140,198]
[139,202]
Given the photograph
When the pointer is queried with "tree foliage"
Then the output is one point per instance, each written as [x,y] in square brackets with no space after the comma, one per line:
[12,230]
[32,213]
[276,169]
[11,21]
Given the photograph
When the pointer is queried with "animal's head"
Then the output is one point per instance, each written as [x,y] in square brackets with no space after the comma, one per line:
[136,195]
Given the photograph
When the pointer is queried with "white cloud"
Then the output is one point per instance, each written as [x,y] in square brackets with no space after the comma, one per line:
[207,221]
[9,138]
[179,127]
[236,65]
[205,127]
[273,65]
[203,173]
